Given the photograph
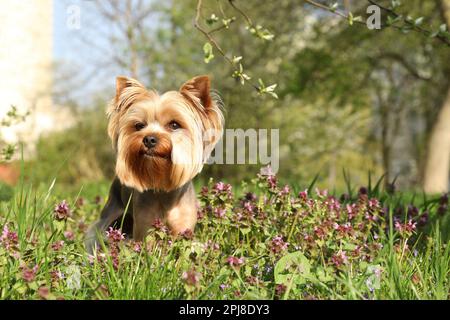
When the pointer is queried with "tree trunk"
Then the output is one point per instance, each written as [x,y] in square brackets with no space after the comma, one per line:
[437,165]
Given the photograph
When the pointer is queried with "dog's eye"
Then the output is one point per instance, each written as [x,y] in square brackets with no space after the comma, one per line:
[174,125]
[139,126]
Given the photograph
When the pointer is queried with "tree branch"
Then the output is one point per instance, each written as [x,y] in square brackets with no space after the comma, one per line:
[213,41]
[411,24]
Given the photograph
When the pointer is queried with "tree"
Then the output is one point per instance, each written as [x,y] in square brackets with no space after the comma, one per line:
[436,175]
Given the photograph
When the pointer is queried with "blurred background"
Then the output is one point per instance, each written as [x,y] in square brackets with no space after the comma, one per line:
[349,98]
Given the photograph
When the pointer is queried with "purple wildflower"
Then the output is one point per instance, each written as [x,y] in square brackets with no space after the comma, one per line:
[278,245]
[69,235]
[29,274]
[56,246]
[187,234]
[235,261]
[280,289]
[224,286]
[219,212]
[62,211]
[272,181]
[191,277]
[160,226]
[114,235]
[412,211]
[363,191]
[250,196]
[423,219]
[408,227]
[9,239]
[303,195]
[339,258]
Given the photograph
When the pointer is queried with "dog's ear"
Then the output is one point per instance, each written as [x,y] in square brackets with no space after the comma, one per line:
[197,90]
[127,91]
[123,83]
[198,87]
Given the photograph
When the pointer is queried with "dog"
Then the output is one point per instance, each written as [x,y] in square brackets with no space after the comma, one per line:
[161,143]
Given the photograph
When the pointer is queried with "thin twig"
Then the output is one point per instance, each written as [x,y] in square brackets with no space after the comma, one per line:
[414,27]
[242,13]
[213,41]
[207,34]
[410,23]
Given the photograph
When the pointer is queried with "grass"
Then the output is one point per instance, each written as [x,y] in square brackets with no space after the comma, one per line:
[265,241]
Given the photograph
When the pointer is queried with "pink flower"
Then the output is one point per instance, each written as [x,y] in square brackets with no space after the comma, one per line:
[321,193]
[56,275]
[187,234]
[285,191]
[272,181]
[344,229]
[114,235]
[278,245]
[408,227]
[204,191]
[9,239]
[374,203]
[29,274]
[351,211]
[191,277]
[56,246]
[160,226]
[137,246]
[69,235]
[248,206]
[235,261]
[222,187]
[62,211]
[219,212]
[339,258]
[303,195]
[224,286]
[280,289]
[212,245]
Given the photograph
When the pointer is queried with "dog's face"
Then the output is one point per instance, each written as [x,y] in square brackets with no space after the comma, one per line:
[162,141]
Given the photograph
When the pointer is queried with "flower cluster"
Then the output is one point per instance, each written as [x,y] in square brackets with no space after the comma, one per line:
[62,211]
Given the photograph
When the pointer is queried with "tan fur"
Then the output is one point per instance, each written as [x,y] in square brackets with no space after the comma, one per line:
[180,155]
[158,178]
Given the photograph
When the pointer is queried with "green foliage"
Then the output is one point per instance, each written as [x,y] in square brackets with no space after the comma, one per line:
[12,117]
[79,154]
[6,192]
[266,242]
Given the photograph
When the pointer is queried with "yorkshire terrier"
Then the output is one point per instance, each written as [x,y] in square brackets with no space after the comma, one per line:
[161,144]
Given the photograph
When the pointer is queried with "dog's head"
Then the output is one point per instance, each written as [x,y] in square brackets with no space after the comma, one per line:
[162,141]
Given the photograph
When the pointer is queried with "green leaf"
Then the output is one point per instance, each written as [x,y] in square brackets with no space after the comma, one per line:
[293,267]
[418,21]
[324,275]
[208,51]
[245,231]
[334,7]
[350,18]
[236,59]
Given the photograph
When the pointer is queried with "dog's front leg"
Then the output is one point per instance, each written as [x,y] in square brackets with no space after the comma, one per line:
[144,215]
[113,209]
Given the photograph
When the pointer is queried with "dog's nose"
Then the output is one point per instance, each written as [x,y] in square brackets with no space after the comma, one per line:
[150,141]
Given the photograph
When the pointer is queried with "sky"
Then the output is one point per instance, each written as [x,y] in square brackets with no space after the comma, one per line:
[79,49]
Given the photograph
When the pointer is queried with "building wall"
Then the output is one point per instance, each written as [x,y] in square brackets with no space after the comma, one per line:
[26,54]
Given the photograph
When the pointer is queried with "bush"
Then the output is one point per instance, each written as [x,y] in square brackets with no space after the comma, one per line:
[6,192]
[79,154]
